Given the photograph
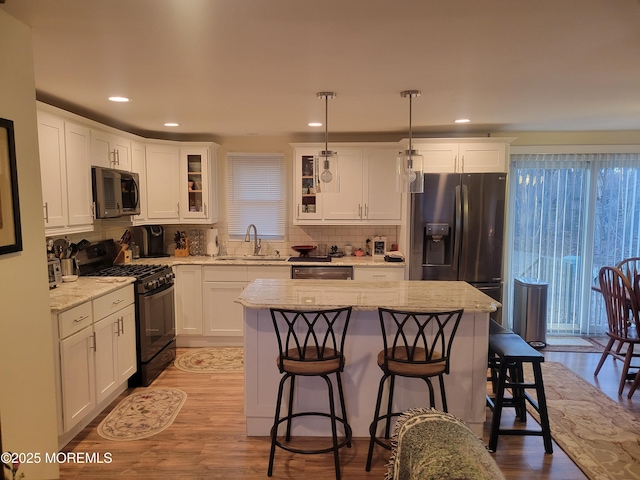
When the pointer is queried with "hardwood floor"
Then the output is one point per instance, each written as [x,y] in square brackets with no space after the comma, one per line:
[208,441]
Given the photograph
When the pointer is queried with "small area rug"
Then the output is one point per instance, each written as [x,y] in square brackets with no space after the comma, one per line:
[142,414]
[573,344]
[212,360]
[599,435]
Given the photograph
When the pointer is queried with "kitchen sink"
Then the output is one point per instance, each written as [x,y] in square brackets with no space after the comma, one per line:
[256,258]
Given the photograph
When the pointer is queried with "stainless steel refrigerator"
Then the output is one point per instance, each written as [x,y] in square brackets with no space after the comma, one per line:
[457,229]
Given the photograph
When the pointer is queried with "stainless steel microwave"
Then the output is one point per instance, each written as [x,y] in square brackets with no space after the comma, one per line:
[116,193]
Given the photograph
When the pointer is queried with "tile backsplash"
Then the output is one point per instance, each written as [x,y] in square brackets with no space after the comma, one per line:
[338,235]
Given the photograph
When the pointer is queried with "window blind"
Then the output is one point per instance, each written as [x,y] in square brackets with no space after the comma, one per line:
[571,215]
[255,194]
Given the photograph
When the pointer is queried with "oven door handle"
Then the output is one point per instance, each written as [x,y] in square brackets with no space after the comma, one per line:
[159,290]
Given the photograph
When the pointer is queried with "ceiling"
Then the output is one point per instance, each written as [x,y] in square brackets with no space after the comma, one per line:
[253,67]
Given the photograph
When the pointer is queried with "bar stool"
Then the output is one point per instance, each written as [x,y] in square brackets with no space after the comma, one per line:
[311,343]
[416,345]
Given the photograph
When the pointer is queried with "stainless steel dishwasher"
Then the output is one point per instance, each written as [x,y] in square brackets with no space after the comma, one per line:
[322,273]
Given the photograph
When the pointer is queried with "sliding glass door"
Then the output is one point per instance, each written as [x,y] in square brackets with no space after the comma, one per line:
[571,214]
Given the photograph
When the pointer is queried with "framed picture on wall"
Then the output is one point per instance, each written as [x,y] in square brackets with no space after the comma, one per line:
[10,230]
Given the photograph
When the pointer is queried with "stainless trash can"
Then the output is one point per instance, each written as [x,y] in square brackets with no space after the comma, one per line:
[530,310]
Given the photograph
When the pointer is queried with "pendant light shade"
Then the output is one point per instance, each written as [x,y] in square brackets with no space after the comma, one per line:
[410,164]
[326,162]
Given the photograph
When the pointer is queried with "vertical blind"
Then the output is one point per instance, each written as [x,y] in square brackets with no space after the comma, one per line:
[573,214]
[255,194]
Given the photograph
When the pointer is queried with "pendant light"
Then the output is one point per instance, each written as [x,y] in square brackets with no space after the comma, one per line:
[326,161]
[409,164]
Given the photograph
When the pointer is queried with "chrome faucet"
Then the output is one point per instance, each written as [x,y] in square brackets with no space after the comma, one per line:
[256,240]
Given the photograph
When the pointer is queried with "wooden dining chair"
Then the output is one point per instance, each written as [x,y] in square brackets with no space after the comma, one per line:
[622,317]
[630,267]
[636,292]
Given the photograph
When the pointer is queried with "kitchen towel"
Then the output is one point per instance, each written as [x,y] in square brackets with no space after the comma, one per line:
[212,242]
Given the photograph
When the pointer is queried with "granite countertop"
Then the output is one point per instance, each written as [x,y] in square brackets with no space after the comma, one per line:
[365,295]
[72,294]
[266,260]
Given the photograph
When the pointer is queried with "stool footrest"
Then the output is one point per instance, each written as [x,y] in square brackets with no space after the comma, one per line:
[284,446]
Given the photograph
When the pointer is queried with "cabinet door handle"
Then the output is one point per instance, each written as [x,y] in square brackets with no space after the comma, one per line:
[117,302]
[455,163]
[178,208]
[359,210]
[462,171]
[122,323]
[93,210]
[205,209]
[79,319]
[94,347]
[298,210]
[116,156]
[366,210]
[46,212]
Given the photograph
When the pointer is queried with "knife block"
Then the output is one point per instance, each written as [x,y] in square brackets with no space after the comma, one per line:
[124,254]
[183,252]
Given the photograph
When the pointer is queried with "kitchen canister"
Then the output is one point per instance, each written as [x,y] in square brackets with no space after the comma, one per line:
[213,246]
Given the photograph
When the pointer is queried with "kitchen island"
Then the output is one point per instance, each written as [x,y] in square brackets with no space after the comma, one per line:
[465,385]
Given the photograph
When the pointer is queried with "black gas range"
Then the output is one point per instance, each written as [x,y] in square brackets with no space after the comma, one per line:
[148,277]
[154,303]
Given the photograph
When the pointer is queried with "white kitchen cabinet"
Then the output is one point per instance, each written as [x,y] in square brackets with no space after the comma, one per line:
[367,194]
[188,290]
[79,191]
[139,166]
[378,273]
[65,172]
[195,202]
[222,316]
[307,200]
[181,183]
[126,345]
[163,183]
[77,377]
[110,150]
[115,351]
[216,319]
[97,355]
[469,156]
[106,359]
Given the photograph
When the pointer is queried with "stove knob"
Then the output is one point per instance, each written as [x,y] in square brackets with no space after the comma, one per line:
[151,285]
[169,277]
[160,280]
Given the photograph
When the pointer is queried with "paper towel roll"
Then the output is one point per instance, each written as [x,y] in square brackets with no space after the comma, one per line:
[212,242]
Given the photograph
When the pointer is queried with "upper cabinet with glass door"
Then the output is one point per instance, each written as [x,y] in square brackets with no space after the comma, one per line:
[196,203]
[307,200]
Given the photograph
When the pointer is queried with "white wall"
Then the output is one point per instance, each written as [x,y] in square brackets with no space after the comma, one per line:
[27,394]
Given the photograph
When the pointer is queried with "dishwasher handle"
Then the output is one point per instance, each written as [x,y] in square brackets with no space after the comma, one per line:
[322,273]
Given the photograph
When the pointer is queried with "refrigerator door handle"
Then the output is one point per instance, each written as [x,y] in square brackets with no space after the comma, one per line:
[458,231]
[465,225]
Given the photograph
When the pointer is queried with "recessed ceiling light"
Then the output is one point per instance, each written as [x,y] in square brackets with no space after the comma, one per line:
[170,124]
[462,120]
[315,124]
[119,99]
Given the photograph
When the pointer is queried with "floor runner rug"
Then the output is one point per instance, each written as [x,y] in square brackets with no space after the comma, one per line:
[599,435]
[142,414]
[212,360]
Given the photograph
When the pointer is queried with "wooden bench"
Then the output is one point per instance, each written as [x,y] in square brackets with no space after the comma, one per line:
[507,354]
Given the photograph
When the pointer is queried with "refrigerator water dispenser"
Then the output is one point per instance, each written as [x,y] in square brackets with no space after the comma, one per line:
[436,244]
